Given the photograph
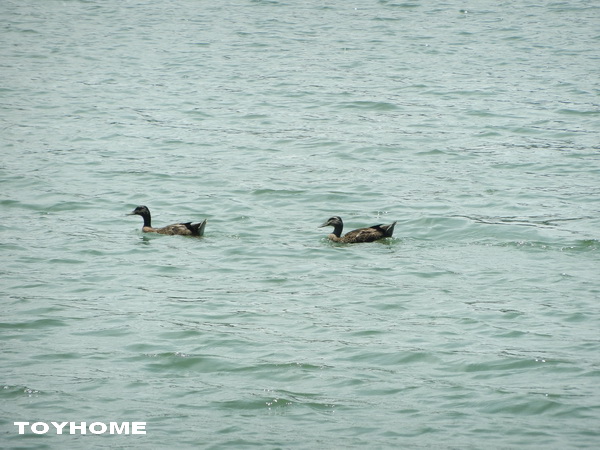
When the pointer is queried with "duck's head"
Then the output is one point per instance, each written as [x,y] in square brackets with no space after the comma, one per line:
[334,221]
[140,211]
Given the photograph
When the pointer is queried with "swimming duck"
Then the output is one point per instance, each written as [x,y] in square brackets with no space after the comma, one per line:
[360,235]
[184,229]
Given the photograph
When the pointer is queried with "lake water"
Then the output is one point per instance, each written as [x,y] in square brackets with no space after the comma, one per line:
[475,125]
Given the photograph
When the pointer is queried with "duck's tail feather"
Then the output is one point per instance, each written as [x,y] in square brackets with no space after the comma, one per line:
[197,229]
[389,229]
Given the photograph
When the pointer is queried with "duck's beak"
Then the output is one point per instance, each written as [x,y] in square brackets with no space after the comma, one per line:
[324,224]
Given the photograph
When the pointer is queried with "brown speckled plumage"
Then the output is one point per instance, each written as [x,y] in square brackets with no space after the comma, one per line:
[183,229]
[369,234]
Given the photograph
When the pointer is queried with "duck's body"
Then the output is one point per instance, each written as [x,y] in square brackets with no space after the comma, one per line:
[369,234]
[183,229]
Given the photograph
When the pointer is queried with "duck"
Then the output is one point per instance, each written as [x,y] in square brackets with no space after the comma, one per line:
[183,229]
[369,234]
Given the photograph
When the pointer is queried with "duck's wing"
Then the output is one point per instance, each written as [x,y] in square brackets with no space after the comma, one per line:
[370,234]
[364,234]
[177,228]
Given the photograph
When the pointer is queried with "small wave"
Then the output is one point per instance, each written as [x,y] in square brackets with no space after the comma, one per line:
[367,105]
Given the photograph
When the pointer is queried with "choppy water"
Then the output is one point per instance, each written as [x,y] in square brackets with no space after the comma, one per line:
[475,125]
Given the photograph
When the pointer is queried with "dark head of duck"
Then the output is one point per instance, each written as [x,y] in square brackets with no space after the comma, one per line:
[144,212]
[336,223]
